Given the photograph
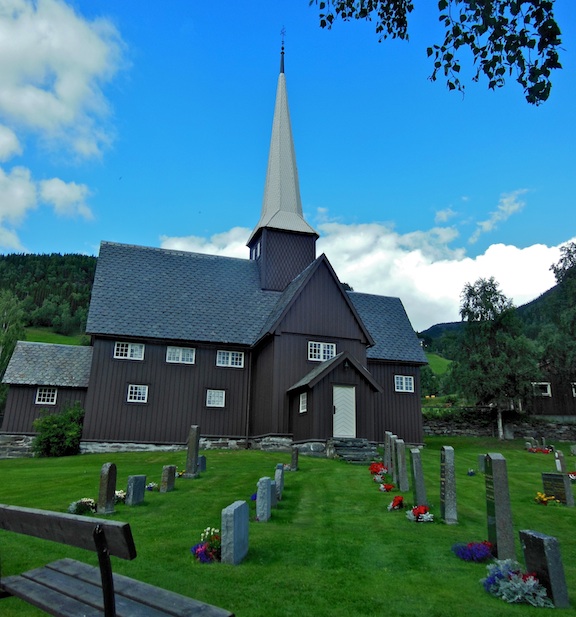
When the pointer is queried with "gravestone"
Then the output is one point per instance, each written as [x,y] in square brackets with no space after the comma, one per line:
[542,557]
[403,484]
[448,511]
[482,463]
[418,486]
[279,479]
[192,454]
[393,469]
[167,479]
[234,530]
[387,463]
[560,462]
[499,512]
[135,490]
[273,495]
[263,499]
[107,491]
[559,486]
[573,450]
[201,463]
[294,461]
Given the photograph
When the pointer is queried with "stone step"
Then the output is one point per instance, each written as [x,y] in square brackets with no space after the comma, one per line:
[15,446]
[353,450]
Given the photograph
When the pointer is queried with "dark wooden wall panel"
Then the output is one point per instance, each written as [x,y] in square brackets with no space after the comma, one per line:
[176,396]
[21,410]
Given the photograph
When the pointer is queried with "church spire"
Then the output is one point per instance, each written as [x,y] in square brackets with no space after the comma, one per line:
[281,205]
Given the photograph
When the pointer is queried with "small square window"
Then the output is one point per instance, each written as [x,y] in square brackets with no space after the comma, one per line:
[404,383]
[129,351]
[137,393]
[181,355]
[46,396]
[215,398]
[303,402]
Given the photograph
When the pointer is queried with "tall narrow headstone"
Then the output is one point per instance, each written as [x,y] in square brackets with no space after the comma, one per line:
[294,461]
[403,484]
[263,499]
[560,462]
[559,486]
[135,490]
[107,490]
[448,510]
[482,463]
[393,469]
[167,479]
[387,457]
[418,486]
[499,512]
[234,530]
[279,479]
[201,463]
[542,556]
[192,454]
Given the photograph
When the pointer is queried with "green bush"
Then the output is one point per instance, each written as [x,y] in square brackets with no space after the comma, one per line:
[59,433]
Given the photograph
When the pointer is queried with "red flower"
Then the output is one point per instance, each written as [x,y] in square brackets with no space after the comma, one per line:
[418,510]
[387,487]
[377,468]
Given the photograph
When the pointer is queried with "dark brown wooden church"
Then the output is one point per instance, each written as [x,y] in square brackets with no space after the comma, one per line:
[244,348]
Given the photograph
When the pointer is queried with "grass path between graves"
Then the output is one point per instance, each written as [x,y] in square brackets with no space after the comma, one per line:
[331,547]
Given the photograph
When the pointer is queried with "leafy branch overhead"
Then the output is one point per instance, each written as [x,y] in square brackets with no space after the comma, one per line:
[518,38]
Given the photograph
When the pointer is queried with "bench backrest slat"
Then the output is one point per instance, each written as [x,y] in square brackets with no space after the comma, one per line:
[68,529]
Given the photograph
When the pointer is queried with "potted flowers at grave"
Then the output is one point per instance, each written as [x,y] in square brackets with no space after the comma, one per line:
[420,514]
[506,581]
[396,504]
[474,551]
[210,546]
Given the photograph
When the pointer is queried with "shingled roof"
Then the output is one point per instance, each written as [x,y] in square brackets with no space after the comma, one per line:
[36,364]
[390,327]
[158,293]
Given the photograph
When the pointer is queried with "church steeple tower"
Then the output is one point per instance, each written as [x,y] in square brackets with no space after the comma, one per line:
[282,241]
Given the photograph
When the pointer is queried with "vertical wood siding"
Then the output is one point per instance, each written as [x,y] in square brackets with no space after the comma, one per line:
[561,403]
[176,396]
[399,412]
[21,409]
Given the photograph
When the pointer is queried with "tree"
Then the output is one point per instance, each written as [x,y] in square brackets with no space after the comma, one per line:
[494,362]
[514,37]
[566,266]
[11,327]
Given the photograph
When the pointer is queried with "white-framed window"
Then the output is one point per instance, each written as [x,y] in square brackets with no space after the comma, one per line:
[403,383]
[181,355]
[137,393]
[303,402]
[46,396]
[573,384]
[318,352]
[215,398]
[234,359]
[541,388]
[129,351]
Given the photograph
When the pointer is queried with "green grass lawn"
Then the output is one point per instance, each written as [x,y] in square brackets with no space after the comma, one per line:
[331,547]
[438,364]
[46,335]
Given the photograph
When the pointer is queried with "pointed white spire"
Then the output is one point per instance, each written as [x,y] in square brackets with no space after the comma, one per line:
[281,205]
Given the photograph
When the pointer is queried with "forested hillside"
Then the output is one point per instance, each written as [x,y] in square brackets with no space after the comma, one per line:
[54,289]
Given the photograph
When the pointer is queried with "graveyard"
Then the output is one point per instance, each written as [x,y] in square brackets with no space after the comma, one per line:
[329,545]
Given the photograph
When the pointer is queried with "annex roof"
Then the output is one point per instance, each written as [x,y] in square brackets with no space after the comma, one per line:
[36,364]
[388,323]
[148,292]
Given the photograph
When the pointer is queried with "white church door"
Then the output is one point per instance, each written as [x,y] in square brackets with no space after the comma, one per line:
[344,398]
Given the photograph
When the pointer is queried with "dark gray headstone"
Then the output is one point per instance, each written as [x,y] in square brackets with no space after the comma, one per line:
[294,461]
[192,453]
[135,490]
[279,479]
[263,499]
[387,457]
[234,531]
[559,486]
[499,512]
[403,484]
[418,486]
[168,478]
[107,490]
[482,463]
[542,556]
[273,494]
[393,469]
[201,463]
[448,510]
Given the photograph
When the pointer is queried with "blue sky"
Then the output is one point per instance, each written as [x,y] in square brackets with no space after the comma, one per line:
[149,123]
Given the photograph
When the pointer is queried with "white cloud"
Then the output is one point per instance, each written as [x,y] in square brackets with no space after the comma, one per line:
[508,205]
[53,64]
[68,199]
[418,267]
[9,144]
[442,216]
[17,194]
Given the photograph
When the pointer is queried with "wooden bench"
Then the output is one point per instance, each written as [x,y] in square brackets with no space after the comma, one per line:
[70,588]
